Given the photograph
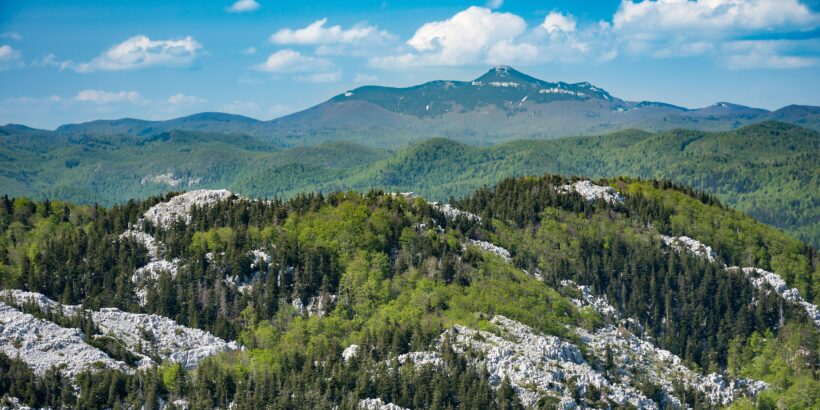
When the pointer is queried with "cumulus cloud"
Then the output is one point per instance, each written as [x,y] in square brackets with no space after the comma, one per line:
[243,6]
[101,97]
[681,28]
[556,21]
[140,52]
[717,29]
[317,33]
[464,38]
[292,61]
[9,57]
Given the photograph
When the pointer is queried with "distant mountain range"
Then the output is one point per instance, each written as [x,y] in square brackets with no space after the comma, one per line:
[501,105]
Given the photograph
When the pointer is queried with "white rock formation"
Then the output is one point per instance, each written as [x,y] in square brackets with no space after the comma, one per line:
[164,214]
[596,302]
[378,404]
[488,247]
[42,344]
[350,353]
[147,275]
[145,239]
[156,335]
[160,336]
[421,358]
[636,358]
[451,212]
[538,365]
[686,243]
[761,278]
[592,192]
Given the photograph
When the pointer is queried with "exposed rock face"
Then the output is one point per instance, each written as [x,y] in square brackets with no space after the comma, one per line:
[636,358]
[538,365]
[421,358]
[592,192]
[145,239]
[451,212]
[761,278]
[350,353]
[156,335]
[164,214]
[42,344]
[488,247]
[378,404]
[160,336]
[597,303]
[691,245]
[149,273]
[317,305]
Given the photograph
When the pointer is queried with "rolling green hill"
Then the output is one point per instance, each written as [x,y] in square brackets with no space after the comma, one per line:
[769,170]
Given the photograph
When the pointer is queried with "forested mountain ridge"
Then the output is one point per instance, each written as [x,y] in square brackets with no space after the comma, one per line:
[539,291]
[768,170]
[499,106]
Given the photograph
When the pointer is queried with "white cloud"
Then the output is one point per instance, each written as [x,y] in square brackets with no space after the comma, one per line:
[140,52]
[317,34]
[101,97]
[769,54]
[9,57]
[555,22]
[243,6]
[713,15]
[638,29]
[494,4]
[182,99]
[249,51]
[328,77]
[291,61]
[464,38]
[671,28]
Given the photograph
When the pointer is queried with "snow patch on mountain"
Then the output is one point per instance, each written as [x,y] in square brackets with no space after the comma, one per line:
[691,245]
[489,247]
[592,192]
[42,344]
[164,214]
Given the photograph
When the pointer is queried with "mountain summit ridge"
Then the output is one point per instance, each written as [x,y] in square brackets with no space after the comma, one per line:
[501,105]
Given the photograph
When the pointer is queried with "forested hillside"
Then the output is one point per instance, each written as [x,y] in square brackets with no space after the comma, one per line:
[769,170]
[537,292]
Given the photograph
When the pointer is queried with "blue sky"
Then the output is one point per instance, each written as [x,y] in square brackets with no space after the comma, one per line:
[72,61]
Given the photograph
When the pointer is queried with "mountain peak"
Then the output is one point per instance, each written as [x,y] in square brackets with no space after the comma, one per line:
[504,73]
